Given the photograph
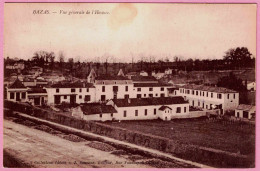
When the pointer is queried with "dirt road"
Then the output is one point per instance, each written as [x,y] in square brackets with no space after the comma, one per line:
[40,149]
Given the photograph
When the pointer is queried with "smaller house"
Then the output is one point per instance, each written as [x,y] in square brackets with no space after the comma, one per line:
[245,112]
[143,73]
[94,112]
[158,75]
[17,92]
[36,70]
[251,86]
[168,71]
[121,73]
[92,76]
[131,74]
[37,96]
[165,113]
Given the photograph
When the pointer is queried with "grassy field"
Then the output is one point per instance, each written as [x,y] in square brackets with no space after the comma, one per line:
[218,135]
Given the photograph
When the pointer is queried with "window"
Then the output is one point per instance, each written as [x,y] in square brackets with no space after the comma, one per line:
[138,89]
[245,114]
[11,95]
[203,93]
[162,88]
[111,114]
[80,97]
[188,91]
[73,90]
[87,98]
[23,95]
[198,103]
[103,97]
[197,93]
[144,95]
[184,109]
[178,110]
[211,95]
[154,111]
[80,90]
[126,96]
[57,90]
[136,112]
[200,93]
[87,89]
[156,94]
[237,114]
[124,113]
[65,97]
[150,95]
[162,95]
[126,88]
[115,82]
[100,115]
[145,112]
[207,94]
[234,96]
[139,95]
[193,92]
[227,96]
[115,88]
[103,82]
[150,89]
[103,88]
[219,96]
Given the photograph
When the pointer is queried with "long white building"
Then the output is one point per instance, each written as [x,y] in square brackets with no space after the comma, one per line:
[207,97]
[164,108]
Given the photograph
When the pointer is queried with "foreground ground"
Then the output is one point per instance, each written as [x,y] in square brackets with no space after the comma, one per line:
[30,144]
[231,137]
[39,149]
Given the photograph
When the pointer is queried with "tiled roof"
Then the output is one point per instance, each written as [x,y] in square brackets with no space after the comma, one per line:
[109,77]
[72,85]
[151,85]
[37,90]
[164,107]
[143,78]
[17,84]
[208,88]
[97,108]
[245,107]
[149,101]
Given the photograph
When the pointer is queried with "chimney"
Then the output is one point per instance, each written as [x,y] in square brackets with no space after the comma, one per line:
[129,100]
[84,84]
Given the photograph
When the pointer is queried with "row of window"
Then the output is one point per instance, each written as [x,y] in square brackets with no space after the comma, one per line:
[87,97]
[72,90]
[150,95]
[18,94]
[202,93]
[116,82]
[150,89]
[178,110]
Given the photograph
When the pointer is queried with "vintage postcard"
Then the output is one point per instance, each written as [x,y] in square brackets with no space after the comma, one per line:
[129,85]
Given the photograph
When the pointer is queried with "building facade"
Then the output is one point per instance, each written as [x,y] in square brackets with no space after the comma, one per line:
[206,97]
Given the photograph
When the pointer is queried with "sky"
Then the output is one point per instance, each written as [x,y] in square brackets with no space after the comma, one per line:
[125,31]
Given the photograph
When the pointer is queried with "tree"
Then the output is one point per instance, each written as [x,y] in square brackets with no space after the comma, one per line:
[239,57]
[61,60]
[231,82]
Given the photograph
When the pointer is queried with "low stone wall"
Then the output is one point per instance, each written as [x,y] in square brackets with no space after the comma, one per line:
[193,114]
[202,155]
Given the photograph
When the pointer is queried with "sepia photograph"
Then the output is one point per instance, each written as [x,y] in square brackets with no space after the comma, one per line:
[129,85]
